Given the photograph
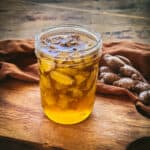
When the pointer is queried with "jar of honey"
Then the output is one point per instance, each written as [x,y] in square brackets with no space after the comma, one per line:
[68,58]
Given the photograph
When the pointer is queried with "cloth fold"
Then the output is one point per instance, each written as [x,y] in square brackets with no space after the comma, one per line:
[18,60]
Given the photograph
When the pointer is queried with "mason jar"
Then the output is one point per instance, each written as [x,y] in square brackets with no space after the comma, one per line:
[68,58]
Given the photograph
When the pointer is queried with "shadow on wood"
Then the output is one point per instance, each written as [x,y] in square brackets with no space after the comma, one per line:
[13,144]
[140,144]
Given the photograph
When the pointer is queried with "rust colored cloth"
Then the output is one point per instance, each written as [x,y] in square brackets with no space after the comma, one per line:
[17,60]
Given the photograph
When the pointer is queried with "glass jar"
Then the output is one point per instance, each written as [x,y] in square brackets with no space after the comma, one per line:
[68,71]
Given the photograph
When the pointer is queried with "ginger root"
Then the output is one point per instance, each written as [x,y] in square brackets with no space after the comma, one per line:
[126,83]
[113,62]
[109,77]
[141,86]
[105,69]
[126,60]
[145,97]
[129,71]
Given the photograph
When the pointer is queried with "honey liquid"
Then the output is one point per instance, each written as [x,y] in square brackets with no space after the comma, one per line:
[65,99]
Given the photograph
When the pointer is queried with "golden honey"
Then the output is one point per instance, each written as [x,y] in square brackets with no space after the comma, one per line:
[68,76]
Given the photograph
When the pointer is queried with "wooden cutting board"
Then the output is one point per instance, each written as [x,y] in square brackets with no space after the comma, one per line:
[113,124]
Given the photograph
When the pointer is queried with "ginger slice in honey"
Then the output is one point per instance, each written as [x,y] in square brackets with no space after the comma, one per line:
[61,78]
[49,98]
[63,101]
[44,81]
[68,71]
[46,65]
[91,79]
[80,79]
[60,87]
[88,60]
[75,92]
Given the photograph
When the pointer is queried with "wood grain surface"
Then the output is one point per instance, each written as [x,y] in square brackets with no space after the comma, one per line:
[114,122]
[123,19]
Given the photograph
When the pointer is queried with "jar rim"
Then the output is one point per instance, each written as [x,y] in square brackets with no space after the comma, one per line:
[74,27]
